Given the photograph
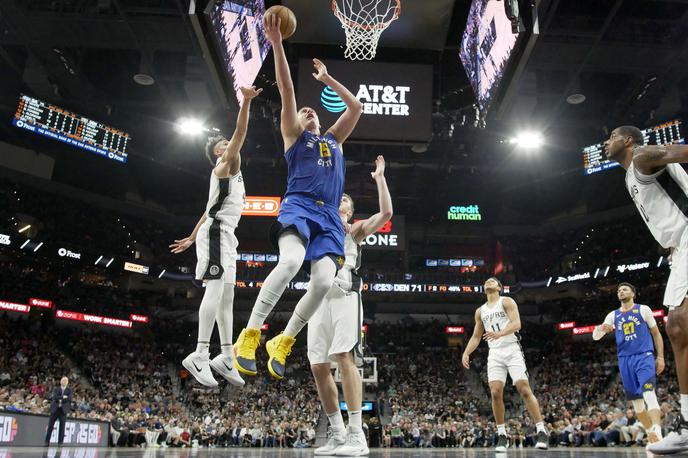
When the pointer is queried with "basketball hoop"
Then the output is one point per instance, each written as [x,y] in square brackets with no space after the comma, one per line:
[363,22]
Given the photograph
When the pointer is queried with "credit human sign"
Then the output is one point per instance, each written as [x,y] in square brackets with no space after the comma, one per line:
[464,213]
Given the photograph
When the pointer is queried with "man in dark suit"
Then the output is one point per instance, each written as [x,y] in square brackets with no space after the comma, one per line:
[60,406]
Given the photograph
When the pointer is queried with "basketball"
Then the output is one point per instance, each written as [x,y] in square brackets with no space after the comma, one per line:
[288,24]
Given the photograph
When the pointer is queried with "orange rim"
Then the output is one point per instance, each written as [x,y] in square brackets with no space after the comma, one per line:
[353,24]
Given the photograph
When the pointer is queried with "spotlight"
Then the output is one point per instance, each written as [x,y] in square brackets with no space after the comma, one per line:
[190,126]
[529,140]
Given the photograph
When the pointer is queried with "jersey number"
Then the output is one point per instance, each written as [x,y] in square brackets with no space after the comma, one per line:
[495,328]
[629,328]
[325,150]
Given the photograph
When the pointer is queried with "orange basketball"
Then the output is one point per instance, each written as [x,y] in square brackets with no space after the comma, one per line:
[287,17]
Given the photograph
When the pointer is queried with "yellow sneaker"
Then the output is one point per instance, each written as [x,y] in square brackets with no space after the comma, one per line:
[245,351]
[278,349]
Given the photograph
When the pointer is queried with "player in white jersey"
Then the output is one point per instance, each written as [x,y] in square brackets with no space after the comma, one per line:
[216,252]
[658,185]
[334,332]
[497,322]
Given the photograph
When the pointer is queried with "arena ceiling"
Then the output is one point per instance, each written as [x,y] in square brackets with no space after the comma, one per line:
[629,58]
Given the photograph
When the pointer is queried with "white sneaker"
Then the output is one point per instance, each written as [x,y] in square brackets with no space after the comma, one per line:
[199,366]
[675,442]
[224,365]
[335,441]
[355,445]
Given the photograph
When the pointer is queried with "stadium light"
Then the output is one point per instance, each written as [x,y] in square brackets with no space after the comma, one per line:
[190,126]
[528,140]
[24,228]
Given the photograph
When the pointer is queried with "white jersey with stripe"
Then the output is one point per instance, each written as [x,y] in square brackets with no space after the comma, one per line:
[495,319]
[347,275]
[662,200]
[226,199]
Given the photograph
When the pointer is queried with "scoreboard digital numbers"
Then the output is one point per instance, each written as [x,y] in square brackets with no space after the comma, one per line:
[595,160]
[54,122]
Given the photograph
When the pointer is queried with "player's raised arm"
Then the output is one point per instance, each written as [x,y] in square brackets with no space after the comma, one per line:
[605,328]
[650,158]
[362,229]
[289,124]
[231,158]
[511,310]
[474,341]
[354,108]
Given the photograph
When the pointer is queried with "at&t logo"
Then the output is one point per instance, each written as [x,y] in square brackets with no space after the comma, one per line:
[331,101]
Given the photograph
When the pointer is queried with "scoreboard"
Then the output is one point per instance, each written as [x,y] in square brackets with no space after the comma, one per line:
[54,122]
[672,132]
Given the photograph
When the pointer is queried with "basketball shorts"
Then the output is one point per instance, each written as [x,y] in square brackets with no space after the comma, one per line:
[677,284]
[336,327]
[216,252]
[638,374]
[317,223]
[505,360]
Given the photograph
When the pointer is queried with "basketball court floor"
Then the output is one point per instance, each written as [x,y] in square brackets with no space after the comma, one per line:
[77,452]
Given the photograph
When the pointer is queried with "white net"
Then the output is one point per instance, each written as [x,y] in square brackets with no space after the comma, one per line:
[363,22]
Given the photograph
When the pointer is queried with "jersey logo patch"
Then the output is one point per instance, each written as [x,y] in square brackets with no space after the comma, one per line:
[214,270]
[340,261]
[649,386]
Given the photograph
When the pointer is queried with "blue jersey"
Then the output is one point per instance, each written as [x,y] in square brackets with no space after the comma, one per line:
[632,331]
[316,168]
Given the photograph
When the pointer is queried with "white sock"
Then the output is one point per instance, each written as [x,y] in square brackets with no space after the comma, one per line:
[356,421]
[225,318]
[336,422]
[540,427]
[292,252]
[322,276]
[203,348]
[684,406]
[206,313]
[501,429]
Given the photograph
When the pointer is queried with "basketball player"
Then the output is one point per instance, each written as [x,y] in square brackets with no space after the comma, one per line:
[635,329]
[216,252]
[309,227]
[334,332]
[497,321]
[658,185]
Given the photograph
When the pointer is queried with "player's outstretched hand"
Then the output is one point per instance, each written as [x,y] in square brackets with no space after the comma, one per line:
[379,168]
[181,245]
[466,361]
[320,70]
[250,92]
[273,33]
[659,362]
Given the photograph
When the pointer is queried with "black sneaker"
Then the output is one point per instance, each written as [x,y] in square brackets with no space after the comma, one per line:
[542,441]
[502,443]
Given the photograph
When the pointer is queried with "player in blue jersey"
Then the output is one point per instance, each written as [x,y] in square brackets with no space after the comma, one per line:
[635,330]
[309,225]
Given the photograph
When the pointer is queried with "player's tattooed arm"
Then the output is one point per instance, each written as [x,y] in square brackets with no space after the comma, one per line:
[651,158]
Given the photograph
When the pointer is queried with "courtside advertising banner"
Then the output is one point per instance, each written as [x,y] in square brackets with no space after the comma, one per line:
[396,98]
[21,429]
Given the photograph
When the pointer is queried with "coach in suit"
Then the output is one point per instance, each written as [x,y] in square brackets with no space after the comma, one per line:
[60,406]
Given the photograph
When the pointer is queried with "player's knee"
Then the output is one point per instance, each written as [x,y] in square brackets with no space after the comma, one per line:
[343,359]
[290,264]
[675,332]
[496,392]
[320,371]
